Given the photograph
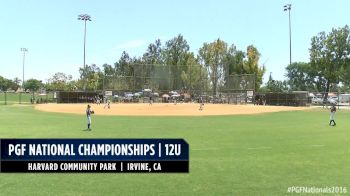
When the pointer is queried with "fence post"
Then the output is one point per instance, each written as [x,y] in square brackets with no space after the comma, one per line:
[338,99]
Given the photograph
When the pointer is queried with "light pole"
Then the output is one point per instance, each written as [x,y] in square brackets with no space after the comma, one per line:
[24,50]
[288,7]
[85,18]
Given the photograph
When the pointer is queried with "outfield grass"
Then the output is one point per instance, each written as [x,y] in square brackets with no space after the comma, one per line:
[229,155]
[21,98]
[15,98]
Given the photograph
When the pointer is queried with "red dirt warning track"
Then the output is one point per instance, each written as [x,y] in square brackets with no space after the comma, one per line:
[164,109]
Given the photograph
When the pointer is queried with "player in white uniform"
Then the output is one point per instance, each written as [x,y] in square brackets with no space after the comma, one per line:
[332,116]
[201,103]
[98,100]
[107,103]
[89,111]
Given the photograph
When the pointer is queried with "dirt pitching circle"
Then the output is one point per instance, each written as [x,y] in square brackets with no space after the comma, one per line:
[164,109]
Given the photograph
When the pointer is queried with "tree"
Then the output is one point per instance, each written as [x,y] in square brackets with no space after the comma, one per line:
[251,65]
[275,85]
[123,66]
[345,74]
[239,62]
[6,84]
[93,77]
[194,76]
[59,81]
[302,77]
[234,61]
[108,69]
[175,52]
[213,56]
[153,55]
[16,82]
[124,71]
[33,85]
[329,55]
[108,75]
[138,81]
[3,83]
[151,60]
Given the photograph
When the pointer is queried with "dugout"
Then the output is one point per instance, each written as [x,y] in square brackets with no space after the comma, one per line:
[77,96]
[295,98]
[259,99]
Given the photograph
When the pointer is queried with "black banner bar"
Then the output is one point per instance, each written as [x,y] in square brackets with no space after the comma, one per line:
[94,166]
[93,149]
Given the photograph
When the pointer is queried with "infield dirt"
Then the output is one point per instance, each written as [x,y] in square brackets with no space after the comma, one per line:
[165,109]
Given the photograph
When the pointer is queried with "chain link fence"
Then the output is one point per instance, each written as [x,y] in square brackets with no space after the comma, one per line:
[10,98]
[190,82]
[333,98]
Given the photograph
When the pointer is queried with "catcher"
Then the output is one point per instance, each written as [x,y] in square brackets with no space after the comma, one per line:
[89,111]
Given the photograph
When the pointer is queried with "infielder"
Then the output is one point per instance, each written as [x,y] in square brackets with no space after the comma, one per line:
[98,100]
[201,103]
[332,117]
[89,111]
[107,104]
[150,100]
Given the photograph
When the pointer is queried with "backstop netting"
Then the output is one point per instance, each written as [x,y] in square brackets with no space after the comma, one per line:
[194,80]
[156,77]
[135,82]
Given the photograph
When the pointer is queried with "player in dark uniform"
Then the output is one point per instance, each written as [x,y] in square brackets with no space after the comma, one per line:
[150,99]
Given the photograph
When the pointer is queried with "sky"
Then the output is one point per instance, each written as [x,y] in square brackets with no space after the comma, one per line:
[54,37]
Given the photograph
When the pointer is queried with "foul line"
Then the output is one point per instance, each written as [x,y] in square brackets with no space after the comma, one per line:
[316,145]
[260,148]
[253,148]
[199,149]
[256,148]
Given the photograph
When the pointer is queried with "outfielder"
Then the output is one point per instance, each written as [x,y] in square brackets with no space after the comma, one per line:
[332,117]
[89,111]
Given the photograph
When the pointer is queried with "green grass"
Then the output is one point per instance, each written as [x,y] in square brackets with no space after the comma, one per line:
[229,155]
[15,98]
[21,98]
